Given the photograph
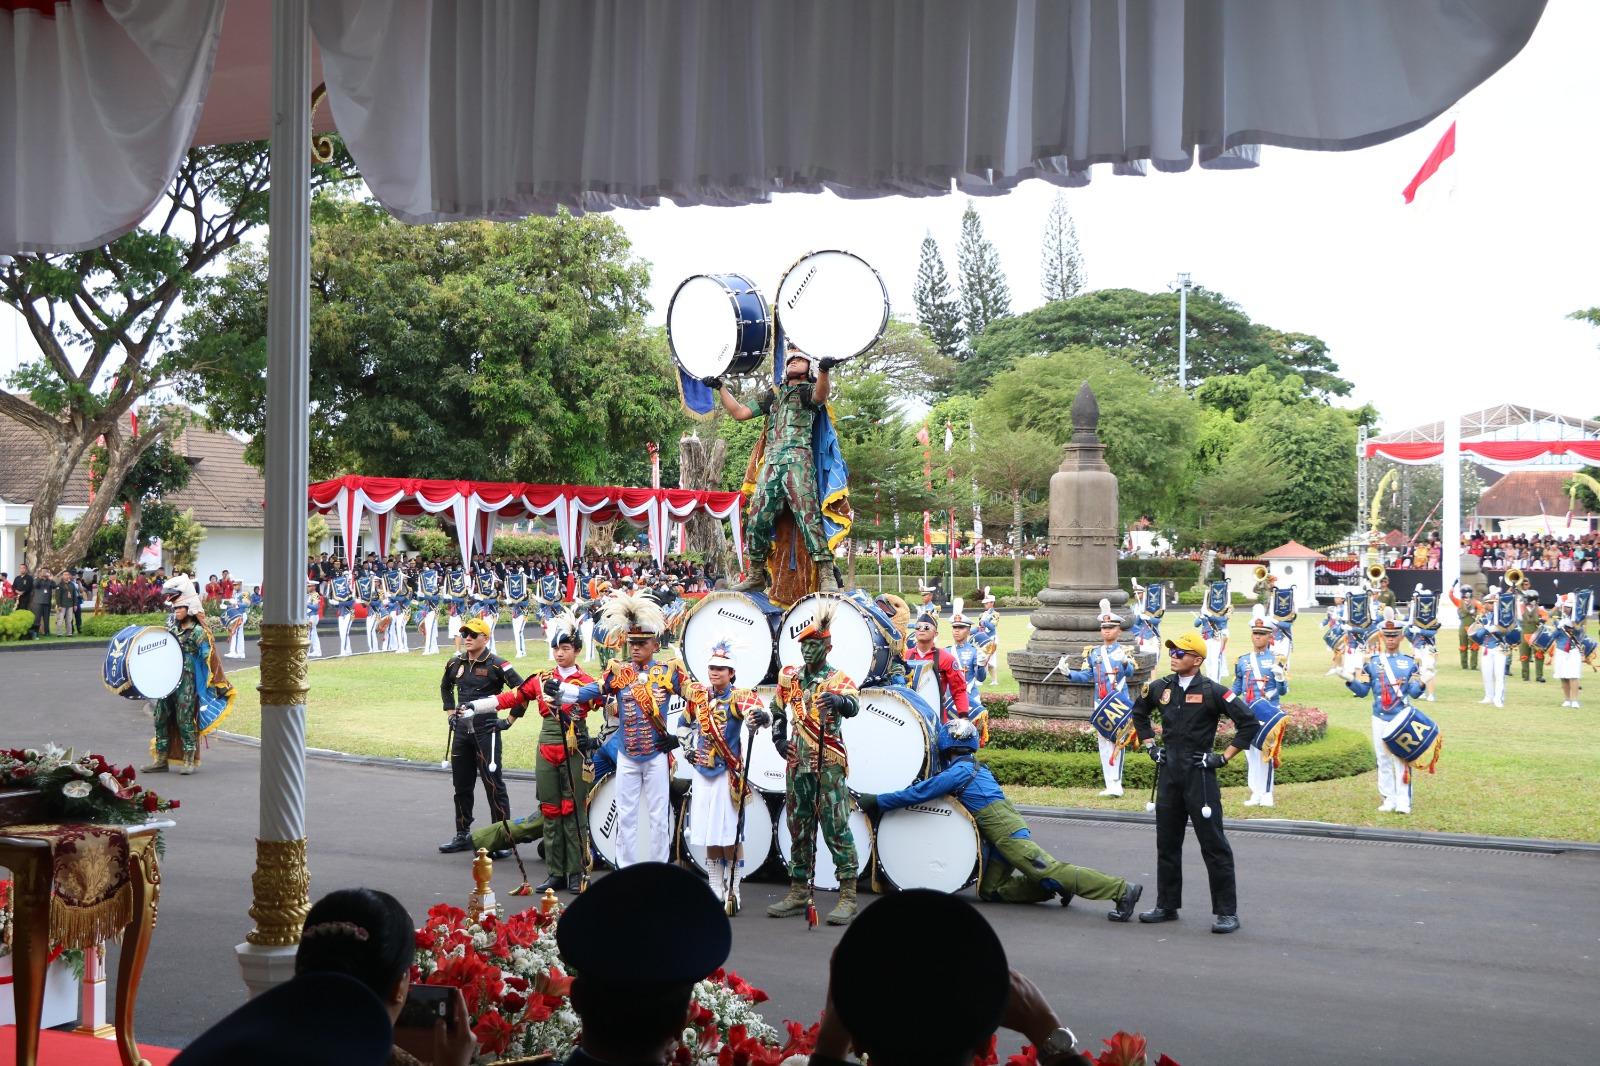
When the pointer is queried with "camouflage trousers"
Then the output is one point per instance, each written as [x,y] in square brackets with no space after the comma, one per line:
[561,810]
[791,481]
[1018,870]
[178,715]
[835,814]
[1531,655]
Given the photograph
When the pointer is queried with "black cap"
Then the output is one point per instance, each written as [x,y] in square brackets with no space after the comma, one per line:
[649,923]
[316,1019]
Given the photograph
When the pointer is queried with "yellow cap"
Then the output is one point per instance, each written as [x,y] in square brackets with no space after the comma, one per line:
[475,625]
[1191,642]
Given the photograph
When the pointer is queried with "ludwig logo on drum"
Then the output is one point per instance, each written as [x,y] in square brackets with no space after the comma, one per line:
[897,722]
[723,612]
[141,649]
[942,812]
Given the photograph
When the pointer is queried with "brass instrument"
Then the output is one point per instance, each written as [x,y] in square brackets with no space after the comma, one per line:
[1516,579]
[1375,573]
[1260,572]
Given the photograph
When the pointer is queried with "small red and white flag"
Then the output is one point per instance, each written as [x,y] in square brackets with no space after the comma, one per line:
[1436,159]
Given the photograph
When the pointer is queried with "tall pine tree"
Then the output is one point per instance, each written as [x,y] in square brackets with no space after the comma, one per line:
[1061,270]
[938,311]
[985,296]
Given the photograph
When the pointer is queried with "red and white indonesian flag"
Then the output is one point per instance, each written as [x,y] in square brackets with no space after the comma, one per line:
[1437,168]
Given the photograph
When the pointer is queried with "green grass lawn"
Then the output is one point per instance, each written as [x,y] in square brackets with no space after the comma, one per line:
[1523,770]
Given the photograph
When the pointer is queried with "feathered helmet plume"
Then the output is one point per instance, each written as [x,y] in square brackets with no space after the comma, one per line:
[563,629]
[821,625]
[958,615]
[636,615]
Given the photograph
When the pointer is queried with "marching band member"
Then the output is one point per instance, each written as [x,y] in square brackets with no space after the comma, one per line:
[1149,605]
[1531,617]
[470,679]
[313,612]
[1283,610]
[234,613]
[428,584]
[1573,646]
[1333,634]
[549,596]
[399,604]
[1015,868]
[517,596]
[1391,679]
[1359,626]
[988,636]
[716,753]
[815,699]
[952,684]
[458,586]
[639,688]
[485,598]
[1110,668]
[1497,634]
[927,608]
[1467,609]
[369,589]
[203,696]
[1213,625]
[344,606]
[1423,633]
[969,660]
[1258,675]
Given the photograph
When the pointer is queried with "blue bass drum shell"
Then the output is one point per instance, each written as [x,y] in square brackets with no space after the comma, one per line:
[1111,716]
[741,335]
[1412,734]
[1542,639]
[1268,715]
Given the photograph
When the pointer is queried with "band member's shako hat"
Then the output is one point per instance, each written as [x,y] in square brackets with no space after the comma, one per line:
[1259,622]
[638,616]
[957,617]
[721,655]
[1391,625]
[1107,618]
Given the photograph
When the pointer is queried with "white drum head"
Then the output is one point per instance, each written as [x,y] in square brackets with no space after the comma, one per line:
[925,682]
[605,828]
[767,767]
[887,742]
[833,305]
[928,845]
[852,631]
[735,618]
[155,663]
[757,836]
[673,715]
[703,325]
[827,875]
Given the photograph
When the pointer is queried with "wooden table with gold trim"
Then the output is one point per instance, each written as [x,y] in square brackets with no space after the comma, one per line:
[28,860]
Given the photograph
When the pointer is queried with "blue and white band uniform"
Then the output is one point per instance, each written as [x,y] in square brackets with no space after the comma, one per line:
[396,587]
[969,657]
[313,609]
[1213,625]
[369,590]
[1496,634]
[1258,677]
[1392,681]
[458,590]
[344,606]
[1110,669]
[516,595]
[234,613]
[549,597]
[428,619]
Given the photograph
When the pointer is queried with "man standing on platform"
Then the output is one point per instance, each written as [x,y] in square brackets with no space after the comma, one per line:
[1191,706]
[475,735]
[1110,668]
[952,683]
[788,470]
[816,699]
[639,687]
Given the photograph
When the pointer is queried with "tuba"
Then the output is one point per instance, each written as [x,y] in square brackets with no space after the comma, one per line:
[1375,573]
[1515,578]
[1260,572]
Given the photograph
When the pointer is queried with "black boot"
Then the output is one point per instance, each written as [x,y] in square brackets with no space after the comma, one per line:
[462,841]
[574,883]
[1158,914]
[1125,903]
[1225,923]
[553,881]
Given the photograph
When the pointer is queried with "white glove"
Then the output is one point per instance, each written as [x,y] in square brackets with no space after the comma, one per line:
[484,703]
[1064,664]
[1426,676]
[569,692]
[1348,673]
[1278,675]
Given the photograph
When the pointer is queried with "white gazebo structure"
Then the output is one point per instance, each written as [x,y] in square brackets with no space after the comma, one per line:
[1295,565]
[499,108]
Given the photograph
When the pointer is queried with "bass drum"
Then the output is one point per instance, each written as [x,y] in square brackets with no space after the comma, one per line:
[718,324]
[605,829]
[758,839]
[143,663]
[747,621]
[929,845]
[767,767]
[827,875]
[833,305]
[860,644]
[888,741]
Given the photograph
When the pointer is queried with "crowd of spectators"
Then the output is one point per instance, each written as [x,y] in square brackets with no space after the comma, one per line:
[614,568]
[56,597]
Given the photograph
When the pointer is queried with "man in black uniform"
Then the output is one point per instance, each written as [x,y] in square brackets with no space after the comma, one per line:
[1190,706]
[475,740]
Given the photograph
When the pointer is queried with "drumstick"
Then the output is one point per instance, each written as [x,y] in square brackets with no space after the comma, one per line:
[504,817]
[572,783]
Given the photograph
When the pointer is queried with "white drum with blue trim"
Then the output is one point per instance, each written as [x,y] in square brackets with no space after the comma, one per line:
[767,768]
[143,663]
[826,874]
[833,305]
[860,644]
[718,324]
[746,622]
[605,823]
[888,742]
[929,845]
[758,841]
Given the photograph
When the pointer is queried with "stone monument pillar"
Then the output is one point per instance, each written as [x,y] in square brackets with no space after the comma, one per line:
[1084,536]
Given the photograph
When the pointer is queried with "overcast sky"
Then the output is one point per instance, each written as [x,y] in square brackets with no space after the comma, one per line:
[1457,305]
[1460,304]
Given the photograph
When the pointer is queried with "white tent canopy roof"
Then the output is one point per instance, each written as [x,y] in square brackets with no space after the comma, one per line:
[506,107]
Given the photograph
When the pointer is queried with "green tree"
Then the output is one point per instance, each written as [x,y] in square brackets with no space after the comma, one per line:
[1315,447]
[1147,426]
[938,310]
[160,469]
[985,295]
[1142,329]
[1012,469]
[1061,271]
[1590,315]
[467,350]
[885,463]
[908,357]
[1233,503]
[182,544]
[101,321]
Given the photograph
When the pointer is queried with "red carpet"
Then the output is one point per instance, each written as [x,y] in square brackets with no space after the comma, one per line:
[57,1048]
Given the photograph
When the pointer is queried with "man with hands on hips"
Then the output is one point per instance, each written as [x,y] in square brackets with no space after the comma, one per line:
[1191,706]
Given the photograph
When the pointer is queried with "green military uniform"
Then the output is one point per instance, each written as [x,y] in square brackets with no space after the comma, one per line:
[1469,650]
[788,473]
[560,805]
[178,712]
[802,782]
[495,838]
[1020,879]
[1530,626]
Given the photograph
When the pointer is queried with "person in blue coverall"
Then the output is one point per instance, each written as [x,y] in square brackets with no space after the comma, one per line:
[1015,868]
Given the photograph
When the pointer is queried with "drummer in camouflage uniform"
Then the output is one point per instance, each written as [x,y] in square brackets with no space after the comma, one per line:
[788,475]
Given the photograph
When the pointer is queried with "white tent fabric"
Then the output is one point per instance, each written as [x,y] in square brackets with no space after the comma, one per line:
[127,78]
[508,107]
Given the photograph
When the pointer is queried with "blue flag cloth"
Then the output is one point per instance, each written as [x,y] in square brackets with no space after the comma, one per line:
[698,400]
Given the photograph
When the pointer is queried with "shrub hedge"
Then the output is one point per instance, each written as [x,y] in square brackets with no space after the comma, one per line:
[13,624]
[109,625]
[1306,725]
[1341,753]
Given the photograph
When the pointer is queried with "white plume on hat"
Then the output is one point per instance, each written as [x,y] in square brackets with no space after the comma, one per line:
[925,588]
[957,618]
[633,614]
[1107,614]
[1391,621]
[988,594]
[1259,622]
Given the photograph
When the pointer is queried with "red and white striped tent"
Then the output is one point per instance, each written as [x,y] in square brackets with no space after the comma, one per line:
[474,509]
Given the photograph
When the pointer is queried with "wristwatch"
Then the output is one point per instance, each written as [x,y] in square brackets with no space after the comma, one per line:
[1058,1045]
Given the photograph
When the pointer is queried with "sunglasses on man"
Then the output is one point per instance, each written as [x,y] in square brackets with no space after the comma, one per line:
[1178,653]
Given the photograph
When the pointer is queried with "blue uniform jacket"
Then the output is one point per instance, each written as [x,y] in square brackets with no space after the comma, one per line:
[1249,687]
[1386,700]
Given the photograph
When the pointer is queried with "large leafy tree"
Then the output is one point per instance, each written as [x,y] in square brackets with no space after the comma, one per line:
[160,469]
[938,309]
[1234,502]
[909,358]
[985,294]
[1061,272]
[469,350]
[102,321]
[1147,426]
[1012,469]
[885,464]
[1142,329]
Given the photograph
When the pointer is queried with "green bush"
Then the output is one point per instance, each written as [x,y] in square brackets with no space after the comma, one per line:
[1341,753]
[431,544]
[515,546]
[1181,572]
[998,704]
[1306,725]
[13,624]
[109,625]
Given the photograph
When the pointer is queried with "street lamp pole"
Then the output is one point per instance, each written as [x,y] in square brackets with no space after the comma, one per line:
[1184,283]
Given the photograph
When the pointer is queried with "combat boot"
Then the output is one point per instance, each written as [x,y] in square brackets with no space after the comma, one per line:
[846,910]
[190,763]
[792,904]
[756,582]
[157,767]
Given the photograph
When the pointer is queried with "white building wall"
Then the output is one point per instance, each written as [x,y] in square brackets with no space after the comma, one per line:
[239,551]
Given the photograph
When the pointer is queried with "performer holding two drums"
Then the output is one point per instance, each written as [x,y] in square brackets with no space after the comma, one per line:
[1015,868]
[716,751]
[1392,680]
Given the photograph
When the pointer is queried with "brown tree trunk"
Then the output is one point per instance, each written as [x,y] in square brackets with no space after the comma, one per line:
[1016,539]
[850,554]
[130,539]
[700,465]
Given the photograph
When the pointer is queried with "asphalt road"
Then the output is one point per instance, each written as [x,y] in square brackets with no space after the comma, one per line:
[1350,950]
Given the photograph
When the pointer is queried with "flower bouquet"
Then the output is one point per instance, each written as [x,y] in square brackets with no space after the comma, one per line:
[81,788]
[1122,1049]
